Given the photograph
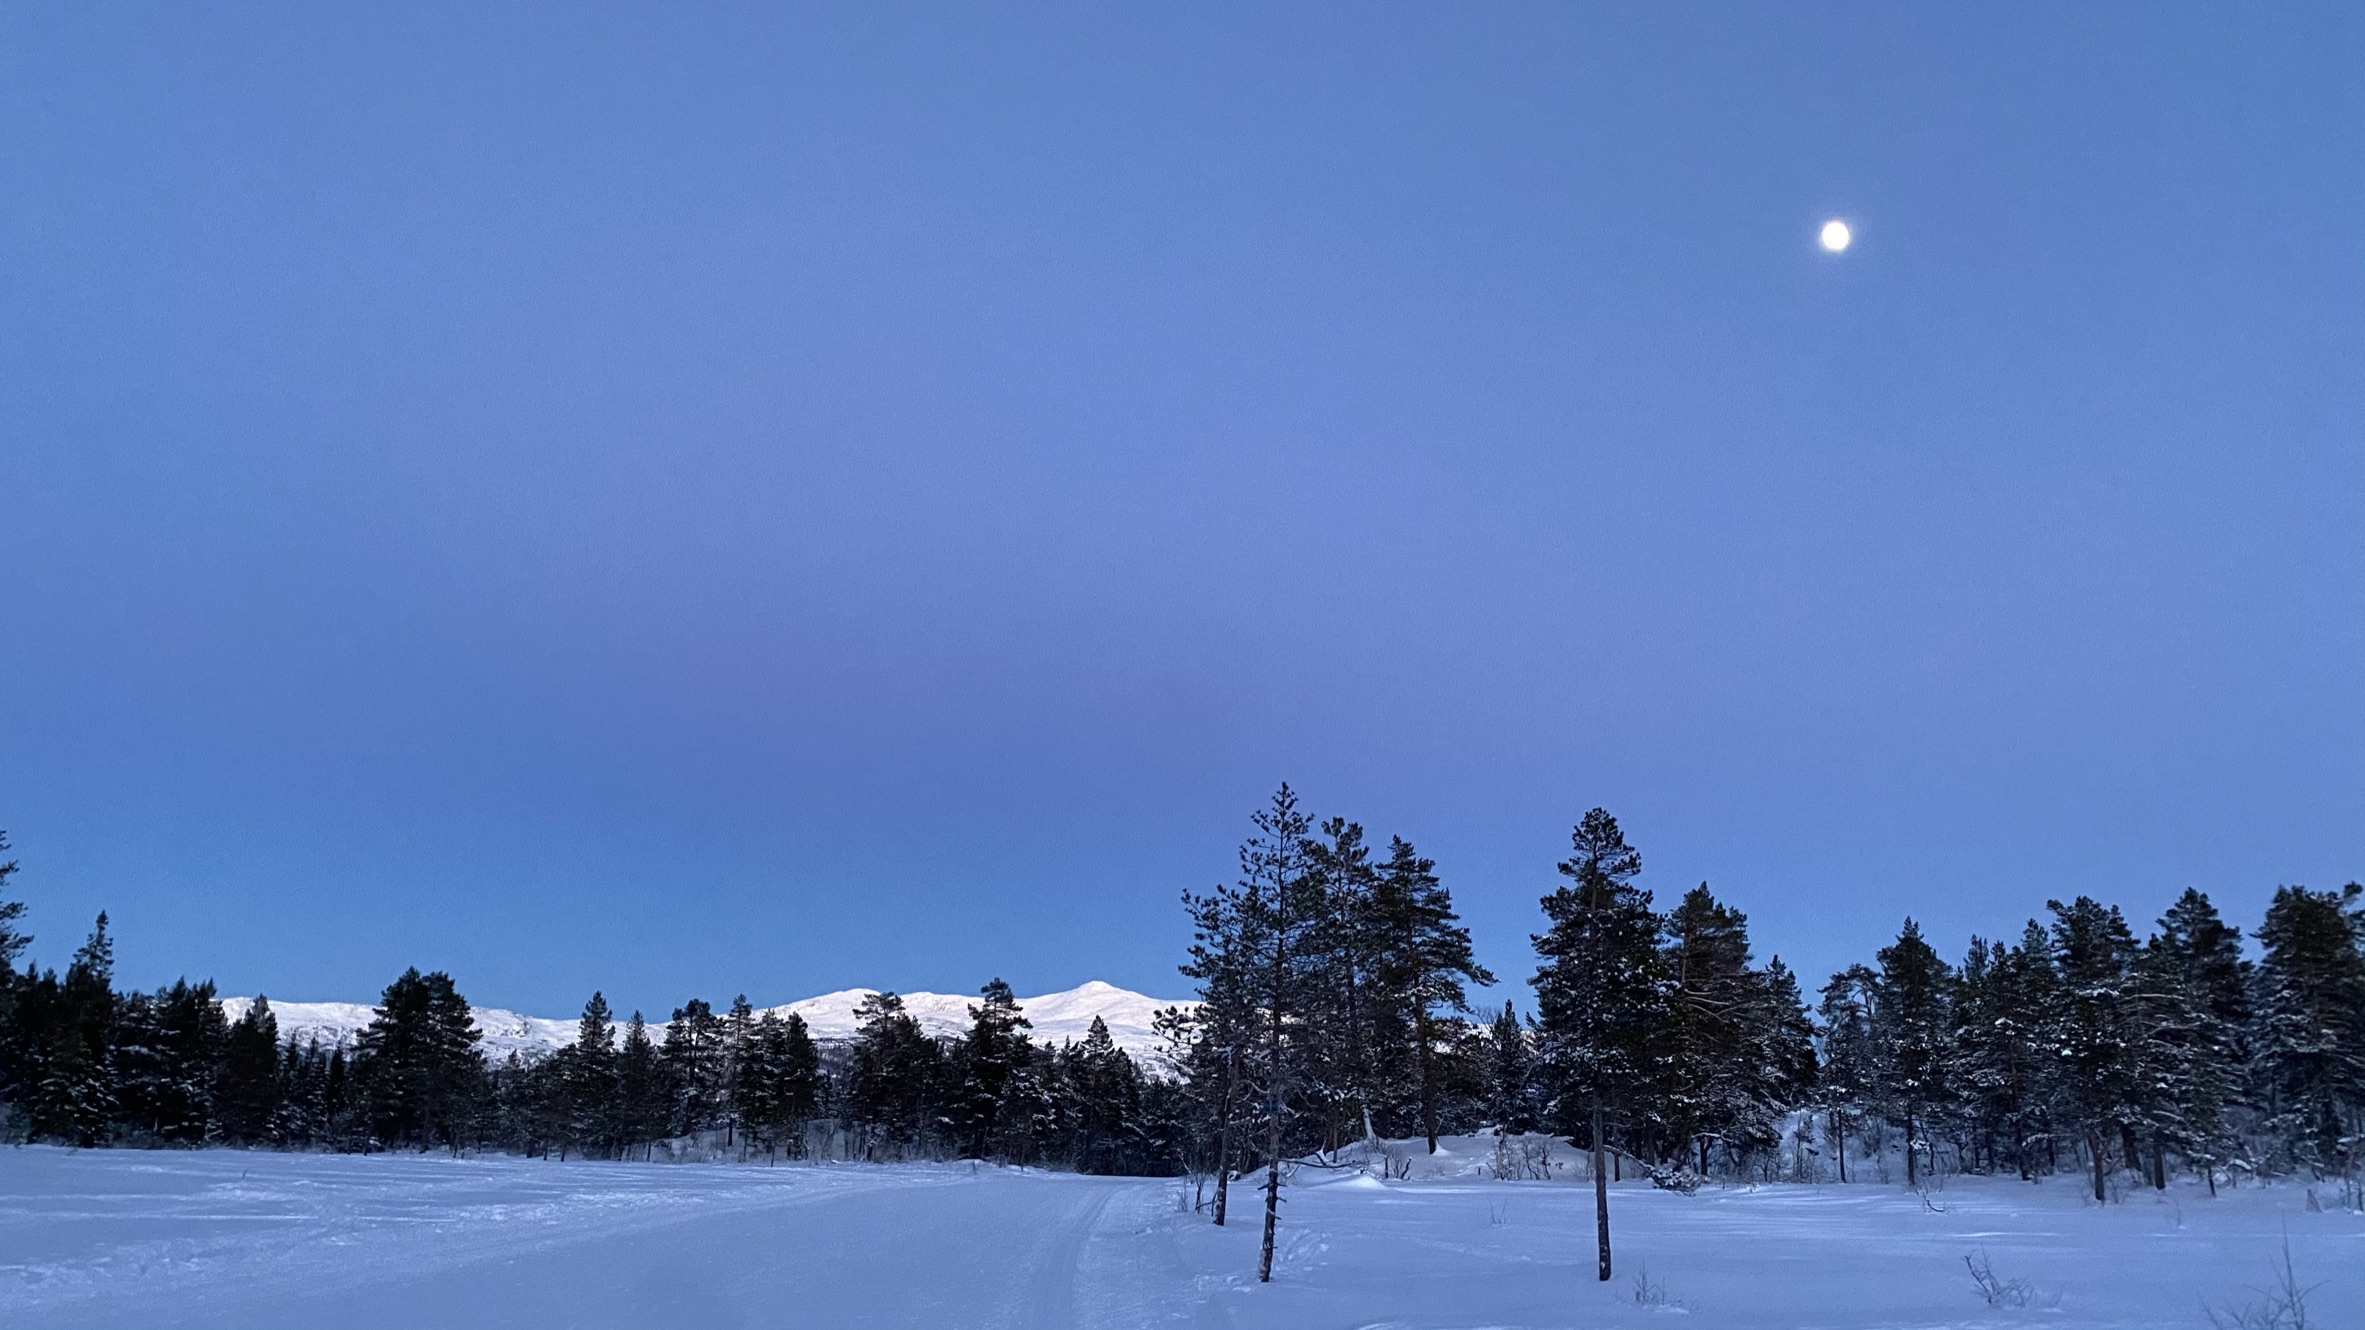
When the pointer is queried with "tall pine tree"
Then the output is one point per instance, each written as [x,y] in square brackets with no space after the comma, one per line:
[1602,994]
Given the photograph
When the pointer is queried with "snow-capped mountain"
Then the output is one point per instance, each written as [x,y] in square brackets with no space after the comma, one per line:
[1056,1017]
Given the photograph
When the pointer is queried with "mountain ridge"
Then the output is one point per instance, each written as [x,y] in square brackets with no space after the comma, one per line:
[1055,1018]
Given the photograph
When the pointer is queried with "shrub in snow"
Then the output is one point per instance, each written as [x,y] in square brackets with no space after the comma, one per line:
[1676,1179]
[2282,1305]
[1994,1289]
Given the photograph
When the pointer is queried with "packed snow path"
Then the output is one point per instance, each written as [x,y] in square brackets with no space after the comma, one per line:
[261,1241]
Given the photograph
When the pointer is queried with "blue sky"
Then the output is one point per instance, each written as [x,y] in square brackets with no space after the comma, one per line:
[689,503]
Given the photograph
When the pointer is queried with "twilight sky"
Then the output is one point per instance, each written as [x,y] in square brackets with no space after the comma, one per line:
[688,503]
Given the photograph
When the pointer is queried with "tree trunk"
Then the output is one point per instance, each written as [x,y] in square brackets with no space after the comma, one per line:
[1912,1175]
[1839,1140]
[2159,1164]
[1428,1096]
[1223,1149]
[1601,1190]
[2094,1143]
[1703,1156]
[1264,1264]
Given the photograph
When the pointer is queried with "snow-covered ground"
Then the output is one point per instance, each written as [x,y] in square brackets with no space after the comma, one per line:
[1056,1017]
[120,1238]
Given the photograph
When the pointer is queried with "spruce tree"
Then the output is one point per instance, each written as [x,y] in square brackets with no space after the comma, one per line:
[1602,994]
[801,1081]
[167,1052]
[73,1100]
[250,1088]
[1107,1089]
[1511,1088]
[643,1104]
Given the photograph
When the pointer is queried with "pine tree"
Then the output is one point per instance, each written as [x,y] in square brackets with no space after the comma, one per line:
[2201,957]
[2099,1031]
[1216,1034]
[891,1078]
[13,941]
[1422,958]
[1849,1061]
[1281,910]
[1780,1049]
[587,1082]
[2004,1013]
[419,1069]
[1714,1083]
[695,1067]
[1910,1039]
[802,1083]
[1602,993]
[2311,1026]
[995,1048]
[1356,1036]
[738,1037]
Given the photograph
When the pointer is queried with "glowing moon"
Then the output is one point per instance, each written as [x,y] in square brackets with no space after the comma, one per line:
[1836,236]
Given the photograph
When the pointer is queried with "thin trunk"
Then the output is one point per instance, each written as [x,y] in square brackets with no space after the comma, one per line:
[2159,1164]
[1912,1177]
[1264,1264]
[1428,1097]
[1273,1096]
[1601,1190]
[1223,1149]
[2094,1143]
[1703,1156]
[1839,1139]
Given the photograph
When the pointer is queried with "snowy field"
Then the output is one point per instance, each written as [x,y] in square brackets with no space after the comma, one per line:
[123,1238]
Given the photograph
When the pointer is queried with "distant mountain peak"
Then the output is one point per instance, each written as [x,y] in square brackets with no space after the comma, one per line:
[1055,1017]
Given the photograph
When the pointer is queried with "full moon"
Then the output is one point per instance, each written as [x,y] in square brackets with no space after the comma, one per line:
[1836,235]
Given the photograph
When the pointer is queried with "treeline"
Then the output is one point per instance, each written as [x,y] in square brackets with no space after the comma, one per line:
[83,1064]
[2076,1047]
[754,1083]
[1333,1006]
